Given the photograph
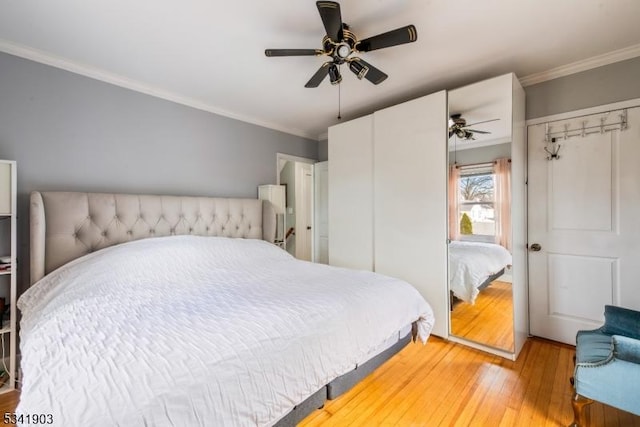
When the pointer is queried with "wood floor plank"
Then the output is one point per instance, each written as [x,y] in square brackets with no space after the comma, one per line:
[561,392]
[432,404]
[424,395]
[492,409]
[527,363]
[376,404]
[8,402]
[318,418]
[509,419]
[467,387]
[372,390]
[536,381]
[543,397]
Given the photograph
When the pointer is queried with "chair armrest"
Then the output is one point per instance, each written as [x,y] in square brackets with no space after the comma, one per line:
[621,321]
[593,348]
[625,348]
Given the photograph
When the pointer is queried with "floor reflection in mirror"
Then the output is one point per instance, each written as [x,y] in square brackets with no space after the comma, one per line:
[490,320]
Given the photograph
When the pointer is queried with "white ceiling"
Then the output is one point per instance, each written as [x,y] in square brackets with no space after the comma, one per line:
[210,54]
[487,103]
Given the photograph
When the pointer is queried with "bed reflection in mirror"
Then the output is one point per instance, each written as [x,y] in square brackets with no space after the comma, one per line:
[480,261]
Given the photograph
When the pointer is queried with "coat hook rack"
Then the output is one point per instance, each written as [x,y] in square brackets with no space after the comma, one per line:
[585,130]
[555,149]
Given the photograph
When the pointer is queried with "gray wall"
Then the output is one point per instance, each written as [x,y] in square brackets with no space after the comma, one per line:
[603,85]
[323,150]
[69,132]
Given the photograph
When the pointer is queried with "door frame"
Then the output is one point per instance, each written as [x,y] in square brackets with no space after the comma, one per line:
[316,183]
[283,156]
[599,109]
[312,162]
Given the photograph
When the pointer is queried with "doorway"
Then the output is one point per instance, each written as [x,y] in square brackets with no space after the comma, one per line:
[296,174]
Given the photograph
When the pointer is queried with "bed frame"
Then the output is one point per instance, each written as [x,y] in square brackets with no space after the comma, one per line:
[453,300]
[68,225]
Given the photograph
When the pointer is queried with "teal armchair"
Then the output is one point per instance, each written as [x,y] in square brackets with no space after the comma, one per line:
[608,365]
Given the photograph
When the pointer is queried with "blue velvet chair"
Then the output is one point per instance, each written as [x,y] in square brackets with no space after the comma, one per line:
[608,365]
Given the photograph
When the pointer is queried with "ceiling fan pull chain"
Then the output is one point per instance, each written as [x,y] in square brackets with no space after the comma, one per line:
[455,149]
[339,85]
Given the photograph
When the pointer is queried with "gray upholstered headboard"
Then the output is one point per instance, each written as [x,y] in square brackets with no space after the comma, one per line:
[66,225]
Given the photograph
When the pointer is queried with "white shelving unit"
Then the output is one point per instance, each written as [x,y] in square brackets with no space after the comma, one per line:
[276,194]
[8,289]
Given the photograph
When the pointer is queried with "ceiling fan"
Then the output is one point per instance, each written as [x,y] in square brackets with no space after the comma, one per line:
[340,45]
[458,126]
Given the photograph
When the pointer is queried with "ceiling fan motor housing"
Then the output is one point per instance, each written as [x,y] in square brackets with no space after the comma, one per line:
[340,50]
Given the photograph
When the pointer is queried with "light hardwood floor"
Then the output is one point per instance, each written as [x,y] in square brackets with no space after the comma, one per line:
[447,384]
[8,402]
[489,320]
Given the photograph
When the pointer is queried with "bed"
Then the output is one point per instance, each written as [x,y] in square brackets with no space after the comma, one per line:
[473,266]
[206,324]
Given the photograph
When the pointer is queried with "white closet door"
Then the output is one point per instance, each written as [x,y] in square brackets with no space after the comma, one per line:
[351,194]
[410,206]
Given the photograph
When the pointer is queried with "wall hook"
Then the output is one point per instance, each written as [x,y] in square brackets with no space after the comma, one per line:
[555,149]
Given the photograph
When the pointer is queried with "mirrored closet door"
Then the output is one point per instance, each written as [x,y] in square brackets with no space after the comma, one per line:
[486,228]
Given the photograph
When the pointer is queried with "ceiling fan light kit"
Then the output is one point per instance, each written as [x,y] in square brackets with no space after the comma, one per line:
[334,74]
[341,45]
[358,69]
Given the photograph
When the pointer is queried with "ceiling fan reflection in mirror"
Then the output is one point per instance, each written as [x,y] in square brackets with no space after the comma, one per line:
[341,46]
[458,126]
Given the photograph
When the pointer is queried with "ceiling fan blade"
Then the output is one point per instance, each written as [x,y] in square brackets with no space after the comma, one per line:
[293,52]
[477,131]
[331,18]
[402,35]
[477,123]
[372,74]
[319,76]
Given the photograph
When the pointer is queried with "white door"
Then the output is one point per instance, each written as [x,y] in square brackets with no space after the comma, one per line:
[584,213]
[321,212]
[304,210]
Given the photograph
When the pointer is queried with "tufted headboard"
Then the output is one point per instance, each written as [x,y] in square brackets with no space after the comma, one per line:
[66,225]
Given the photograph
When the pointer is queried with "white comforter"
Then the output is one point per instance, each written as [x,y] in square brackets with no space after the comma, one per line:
[199,331]
[471,263]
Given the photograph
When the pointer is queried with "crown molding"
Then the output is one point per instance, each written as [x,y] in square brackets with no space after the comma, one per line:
[137,86]
[583,65]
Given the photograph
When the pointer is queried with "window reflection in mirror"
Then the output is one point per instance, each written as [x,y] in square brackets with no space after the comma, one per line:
[476,215]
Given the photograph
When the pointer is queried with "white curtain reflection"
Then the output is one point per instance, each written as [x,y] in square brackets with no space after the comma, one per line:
[502,171]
